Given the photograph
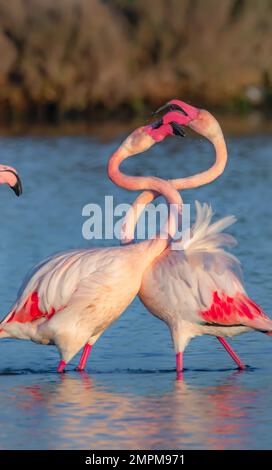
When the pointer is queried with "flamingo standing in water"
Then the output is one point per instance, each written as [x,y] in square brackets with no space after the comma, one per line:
[74,296]
[9,176]
[198,290]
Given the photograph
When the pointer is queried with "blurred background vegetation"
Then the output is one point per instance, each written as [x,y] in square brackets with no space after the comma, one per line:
[87,59]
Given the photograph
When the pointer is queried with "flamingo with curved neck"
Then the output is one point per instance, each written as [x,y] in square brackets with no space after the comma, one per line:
[198,292]
[75,296]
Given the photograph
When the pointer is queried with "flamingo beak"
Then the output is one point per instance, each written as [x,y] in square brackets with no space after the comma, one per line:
[178,129]
[170,107]
[189,112]
[17,187]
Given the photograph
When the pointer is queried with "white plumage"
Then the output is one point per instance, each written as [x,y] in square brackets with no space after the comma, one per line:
[82,290]
[179,286]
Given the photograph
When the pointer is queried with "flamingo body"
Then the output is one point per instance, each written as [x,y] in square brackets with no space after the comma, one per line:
[75,296]
[198,290]
[71,298]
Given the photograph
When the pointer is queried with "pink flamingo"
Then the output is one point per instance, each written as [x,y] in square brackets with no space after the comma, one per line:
[74,296]
[198,290]
[9,176]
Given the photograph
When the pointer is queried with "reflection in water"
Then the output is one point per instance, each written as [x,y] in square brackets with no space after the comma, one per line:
[83,413]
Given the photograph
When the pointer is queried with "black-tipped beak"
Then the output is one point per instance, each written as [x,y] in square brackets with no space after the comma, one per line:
[17,188]
[177,129]
[170,107]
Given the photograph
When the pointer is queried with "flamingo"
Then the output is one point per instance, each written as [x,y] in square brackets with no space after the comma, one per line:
[74,296]
[9,176]
[198,290]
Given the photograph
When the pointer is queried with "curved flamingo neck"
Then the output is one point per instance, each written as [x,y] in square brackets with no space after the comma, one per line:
[190,182]
[146,183]
[205,177]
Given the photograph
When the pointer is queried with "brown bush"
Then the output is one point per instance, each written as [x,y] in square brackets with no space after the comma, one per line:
[74,56]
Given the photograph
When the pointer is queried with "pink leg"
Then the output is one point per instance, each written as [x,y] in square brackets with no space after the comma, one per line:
[84,356]
[234,356]
[61,367]
[179,366]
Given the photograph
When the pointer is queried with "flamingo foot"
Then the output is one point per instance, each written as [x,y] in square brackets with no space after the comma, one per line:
[233,354]
[179,365]
[61,367]
[86,351]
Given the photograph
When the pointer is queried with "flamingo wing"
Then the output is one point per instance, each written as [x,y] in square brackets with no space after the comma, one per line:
[224,301]
[238,310]
[49,287]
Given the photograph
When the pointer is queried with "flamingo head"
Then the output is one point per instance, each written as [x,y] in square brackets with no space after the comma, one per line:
[9,176]
[179,114]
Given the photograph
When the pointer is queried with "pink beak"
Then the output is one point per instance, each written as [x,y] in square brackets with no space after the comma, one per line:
[8,175]
[179,106]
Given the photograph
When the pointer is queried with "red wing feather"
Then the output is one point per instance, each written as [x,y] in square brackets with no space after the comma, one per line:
[30,311]
[237,310]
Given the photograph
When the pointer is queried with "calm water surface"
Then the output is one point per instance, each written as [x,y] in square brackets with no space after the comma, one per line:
[128,397]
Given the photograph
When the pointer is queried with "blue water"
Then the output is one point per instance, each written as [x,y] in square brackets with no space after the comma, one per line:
[128,397]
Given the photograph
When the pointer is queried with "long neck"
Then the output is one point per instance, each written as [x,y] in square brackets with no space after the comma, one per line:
[154,184]
[190,182]
[221,157]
